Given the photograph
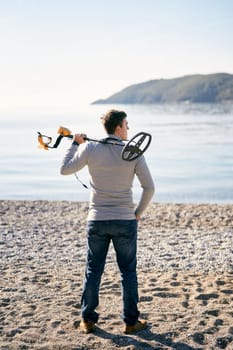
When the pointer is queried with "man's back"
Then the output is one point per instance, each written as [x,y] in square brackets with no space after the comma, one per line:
[111,179]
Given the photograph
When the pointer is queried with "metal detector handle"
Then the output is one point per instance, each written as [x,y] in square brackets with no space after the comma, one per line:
[59,138]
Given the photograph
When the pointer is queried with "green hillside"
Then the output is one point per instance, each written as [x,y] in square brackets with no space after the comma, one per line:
[212,88]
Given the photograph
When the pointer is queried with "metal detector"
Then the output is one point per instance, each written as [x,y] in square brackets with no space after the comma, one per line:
[133,149]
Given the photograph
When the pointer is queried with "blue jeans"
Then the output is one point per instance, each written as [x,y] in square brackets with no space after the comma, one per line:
[123,234]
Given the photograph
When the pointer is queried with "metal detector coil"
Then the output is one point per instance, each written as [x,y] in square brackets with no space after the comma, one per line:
[136,146]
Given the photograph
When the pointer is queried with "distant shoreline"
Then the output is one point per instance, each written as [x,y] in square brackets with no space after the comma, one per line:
[198,88]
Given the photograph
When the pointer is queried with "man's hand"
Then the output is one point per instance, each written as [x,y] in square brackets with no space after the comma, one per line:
[79,138]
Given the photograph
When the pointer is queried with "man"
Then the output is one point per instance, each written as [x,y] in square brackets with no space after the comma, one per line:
[111,217]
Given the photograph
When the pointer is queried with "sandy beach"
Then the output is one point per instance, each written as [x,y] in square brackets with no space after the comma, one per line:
[185,273]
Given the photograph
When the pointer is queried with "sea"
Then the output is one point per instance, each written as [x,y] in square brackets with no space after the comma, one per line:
[190,156]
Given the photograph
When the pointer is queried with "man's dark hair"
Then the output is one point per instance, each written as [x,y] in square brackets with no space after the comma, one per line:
[112,119]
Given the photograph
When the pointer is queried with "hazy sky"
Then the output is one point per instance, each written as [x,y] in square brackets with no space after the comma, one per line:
[63,53]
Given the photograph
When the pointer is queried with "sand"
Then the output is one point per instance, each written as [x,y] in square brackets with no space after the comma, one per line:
[185,272]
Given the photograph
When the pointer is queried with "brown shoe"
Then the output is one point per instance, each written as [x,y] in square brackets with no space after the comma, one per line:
[139,326]
[87,326]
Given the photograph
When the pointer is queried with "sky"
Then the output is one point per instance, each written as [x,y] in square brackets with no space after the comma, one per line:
[60,54]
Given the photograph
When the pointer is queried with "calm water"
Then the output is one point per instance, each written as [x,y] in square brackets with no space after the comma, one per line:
[191,155]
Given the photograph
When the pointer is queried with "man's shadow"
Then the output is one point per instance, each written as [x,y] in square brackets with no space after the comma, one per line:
[146,336]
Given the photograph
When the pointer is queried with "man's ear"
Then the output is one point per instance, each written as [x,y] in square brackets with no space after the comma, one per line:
[117,129]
